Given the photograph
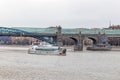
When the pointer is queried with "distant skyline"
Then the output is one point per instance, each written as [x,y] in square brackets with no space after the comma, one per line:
[67,13]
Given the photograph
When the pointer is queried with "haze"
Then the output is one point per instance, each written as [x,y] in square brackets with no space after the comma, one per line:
[67,13]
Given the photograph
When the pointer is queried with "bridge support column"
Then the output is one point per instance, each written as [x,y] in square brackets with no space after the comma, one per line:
[79,45]
[59,36]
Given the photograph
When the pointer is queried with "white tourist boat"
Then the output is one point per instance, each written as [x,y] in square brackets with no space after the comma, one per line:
[45,48]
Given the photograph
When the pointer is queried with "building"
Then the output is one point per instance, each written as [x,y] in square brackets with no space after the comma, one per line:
[114,27]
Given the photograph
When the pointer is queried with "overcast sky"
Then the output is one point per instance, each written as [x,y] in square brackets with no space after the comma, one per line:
[67,13]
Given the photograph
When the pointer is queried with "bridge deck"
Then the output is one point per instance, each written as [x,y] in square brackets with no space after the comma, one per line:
[52,31]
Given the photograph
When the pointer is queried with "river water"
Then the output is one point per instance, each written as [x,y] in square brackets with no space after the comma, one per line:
[17,64]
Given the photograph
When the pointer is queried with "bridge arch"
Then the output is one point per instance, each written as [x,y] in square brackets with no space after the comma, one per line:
[74,39]
[93,39]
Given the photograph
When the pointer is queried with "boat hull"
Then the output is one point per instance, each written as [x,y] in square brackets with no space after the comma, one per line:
[99,48]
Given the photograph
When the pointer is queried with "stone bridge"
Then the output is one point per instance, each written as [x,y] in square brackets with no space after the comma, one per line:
[79,38]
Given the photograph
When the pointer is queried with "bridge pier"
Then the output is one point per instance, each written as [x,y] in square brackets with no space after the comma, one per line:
[59,36]
[79,44]
[78,47]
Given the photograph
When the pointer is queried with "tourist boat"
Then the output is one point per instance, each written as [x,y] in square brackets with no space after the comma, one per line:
[100,47]
[45,48]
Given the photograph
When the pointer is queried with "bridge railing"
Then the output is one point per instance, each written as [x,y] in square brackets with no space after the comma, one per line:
[90,31]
